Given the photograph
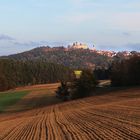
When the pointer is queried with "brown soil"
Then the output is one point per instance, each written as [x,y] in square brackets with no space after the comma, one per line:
[114,116]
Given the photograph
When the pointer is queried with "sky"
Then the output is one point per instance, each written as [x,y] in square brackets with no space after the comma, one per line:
[107,24]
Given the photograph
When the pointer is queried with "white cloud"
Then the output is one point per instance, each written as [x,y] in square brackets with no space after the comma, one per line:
[125,47]
[6,37]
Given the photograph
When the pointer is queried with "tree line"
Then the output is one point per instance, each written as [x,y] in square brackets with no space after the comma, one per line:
[15,73]
[126,72]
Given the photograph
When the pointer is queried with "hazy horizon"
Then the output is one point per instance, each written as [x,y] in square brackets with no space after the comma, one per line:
[107,24]
[64,45]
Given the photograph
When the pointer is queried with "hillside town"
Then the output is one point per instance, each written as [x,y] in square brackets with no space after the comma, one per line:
[77,45]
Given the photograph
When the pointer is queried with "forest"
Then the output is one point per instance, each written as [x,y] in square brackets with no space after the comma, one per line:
[15,73]
[126,72]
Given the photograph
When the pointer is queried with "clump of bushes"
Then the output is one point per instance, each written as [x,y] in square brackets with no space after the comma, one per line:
[63,91]
[78,88]
[83,86]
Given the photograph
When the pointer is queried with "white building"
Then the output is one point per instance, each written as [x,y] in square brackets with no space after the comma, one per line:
[78,46]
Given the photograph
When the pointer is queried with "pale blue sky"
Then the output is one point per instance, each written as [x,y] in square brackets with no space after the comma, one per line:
[109,24]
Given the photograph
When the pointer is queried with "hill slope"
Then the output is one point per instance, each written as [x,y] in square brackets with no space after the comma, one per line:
[74,58]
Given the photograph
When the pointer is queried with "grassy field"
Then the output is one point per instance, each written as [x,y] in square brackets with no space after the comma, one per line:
[29,97]
[9,98]
[111,116]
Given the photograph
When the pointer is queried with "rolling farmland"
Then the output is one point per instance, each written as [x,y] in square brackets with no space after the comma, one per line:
[113,116]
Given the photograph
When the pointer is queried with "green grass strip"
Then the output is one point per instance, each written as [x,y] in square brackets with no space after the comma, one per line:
[10,98]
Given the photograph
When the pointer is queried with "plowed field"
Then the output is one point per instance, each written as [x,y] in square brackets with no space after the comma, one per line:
[113,116]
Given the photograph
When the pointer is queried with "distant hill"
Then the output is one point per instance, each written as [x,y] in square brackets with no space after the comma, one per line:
[74,58]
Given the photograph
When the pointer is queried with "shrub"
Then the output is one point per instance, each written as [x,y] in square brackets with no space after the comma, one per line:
[63,91]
